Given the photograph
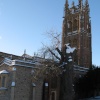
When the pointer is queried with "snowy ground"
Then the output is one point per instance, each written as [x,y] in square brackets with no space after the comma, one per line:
[92,98]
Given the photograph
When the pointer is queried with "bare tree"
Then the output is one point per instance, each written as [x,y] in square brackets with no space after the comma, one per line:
[65,66]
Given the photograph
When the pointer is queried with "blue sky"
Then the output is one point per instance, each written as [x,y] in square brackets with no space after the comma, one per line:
[23,24]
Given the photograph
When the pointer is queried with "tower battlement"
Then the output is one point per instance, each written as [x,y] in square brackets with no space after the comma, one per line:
[81,7]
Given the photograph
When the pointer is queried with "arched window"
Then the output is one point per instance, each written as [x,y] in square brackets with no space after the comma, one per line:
[74,25]
[69,26]
[3,78]
[53,95]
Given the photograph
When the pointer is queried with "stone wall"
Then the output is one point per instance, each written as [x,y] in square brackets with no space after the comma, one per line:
[23,88]
[5,94]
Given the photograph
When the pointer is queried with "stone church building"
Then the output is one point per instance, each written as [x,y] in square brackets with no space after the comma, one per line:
[17,81]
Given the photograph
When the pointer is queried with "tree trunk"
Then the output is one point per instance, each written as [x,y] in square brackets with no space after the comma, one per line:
[66,92]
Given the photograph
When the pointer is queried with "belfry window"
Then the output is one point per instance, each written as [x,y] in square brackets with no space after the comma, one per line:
[69,26]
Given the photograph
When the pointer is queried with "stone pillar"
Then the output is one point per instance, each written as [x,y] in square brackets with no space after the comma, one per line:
[33,96]
[13,83]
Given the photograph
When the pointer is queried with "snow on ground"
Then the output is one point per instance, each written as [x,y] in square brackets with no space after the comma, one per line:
[92,98]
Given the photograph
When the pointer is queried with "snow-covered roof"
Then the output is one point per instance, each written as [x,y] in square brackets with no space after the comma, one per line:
[23,63]
[3,88]
[4,72]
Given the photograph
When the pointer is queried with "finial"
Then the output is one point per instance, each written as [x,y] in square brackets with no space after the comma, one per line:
[66,4]
[86,3]
[80,3]
[24,54]
[66,8]
[11,56]
[73,4]
[87,6]
[66,1]
[25,51]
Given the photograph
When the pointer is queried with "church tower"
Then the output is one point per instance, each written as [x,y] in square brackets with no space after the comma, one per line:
[77,31]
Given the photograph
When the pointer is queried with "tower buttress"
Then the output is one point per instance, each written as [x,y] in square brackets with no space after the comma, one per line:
[66,7]
[66,4]
[87,6]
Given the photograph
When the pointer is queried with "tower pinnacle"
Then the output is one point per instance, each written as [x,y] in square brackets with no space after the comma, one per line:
[66,4]
[73,4]
[86,3]
[87,6]
[80,4]
[66,7]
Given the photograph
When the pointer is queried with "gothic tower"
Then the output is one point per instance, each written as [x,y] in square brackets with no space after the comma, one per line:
[77,31]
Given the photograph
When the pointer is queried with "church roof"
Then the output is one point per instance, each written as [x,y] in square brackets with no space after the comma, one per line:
[4,72]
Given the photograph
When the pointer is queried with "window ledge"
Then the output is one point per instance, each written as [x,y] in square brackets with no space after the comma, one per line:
[3,88]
